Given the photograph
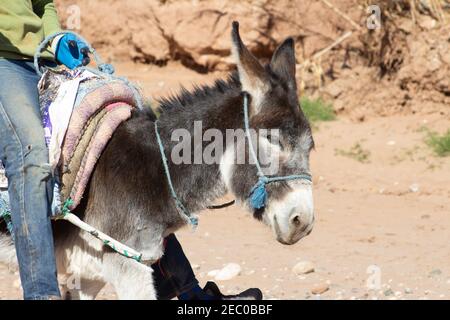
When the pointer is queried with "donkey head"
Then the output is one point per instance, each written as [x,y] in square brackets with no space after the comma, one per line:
[274,108]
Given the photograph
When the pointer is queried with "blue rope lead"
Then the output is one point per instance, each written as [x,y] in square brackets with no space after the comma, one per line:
[181,208]
[258,194]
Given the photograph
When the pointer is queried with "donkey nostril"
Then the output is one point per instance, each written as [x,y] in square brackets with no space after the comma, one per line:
[296,220]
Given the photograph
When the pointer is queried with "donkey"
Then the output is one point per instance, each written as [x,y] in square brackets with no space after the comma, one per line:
[129,198]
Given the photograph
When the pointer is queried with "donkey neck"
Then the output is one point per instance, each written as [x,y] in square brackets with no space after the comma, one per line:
[198,183]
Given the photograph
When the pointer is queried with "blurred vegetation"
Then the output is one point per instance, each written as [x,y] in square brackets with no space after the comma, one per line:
[356,152]
[439,143]
[317,110]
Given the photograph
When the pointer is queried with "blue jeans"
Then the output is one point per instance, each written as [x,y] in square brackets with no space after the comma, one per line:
[25,157]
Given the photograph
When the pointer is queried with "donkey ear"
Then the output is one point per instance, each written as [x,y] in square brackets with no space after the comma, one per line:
[283,61]
[254,78]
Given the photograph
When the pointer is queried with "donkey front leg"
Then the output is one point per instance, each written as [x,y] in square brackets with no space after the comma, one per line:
[131,279]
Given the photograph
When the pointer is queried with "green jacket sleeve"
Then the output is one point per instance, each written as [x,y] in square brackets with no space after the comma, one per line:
[46,10]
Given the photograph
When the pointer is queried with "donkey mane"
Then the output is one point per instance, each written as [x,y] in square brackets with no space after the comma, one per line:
[200,93]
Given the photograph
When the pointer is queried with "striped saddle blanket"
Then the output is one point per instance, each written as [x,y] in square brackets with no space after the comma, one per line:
[80,110]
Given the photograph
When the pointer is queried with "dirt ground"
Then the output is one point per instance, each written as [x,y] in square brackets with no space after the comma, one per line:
[387,212]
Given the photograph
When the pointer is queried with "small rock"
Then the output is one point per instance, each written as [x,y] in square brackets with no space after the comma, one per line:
[414,187]
[303,267]
[212,273]
[228,272]
[250,272]
[195,267]
[320,288]
[391,143]
[408,291]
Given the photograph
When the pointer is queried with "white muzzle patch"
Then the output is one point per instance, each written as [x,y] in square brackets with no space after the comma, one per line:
[292,217]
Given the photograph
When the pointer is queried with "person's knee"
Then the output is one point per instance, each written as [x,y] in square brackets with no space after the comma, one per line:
[35,161]
[25,151]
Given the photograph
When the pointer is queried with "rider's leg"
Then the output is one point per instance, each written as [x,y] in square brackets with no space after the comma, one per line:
[174,277]
[25,156]
[173,273]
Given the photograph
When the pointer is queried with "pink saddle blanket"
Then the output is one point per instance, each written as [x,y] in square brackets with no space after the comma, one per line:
[102,104]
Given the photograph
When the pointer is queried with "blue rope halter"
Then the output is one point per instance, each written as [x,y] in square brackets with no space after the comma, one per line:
[184,212]
[258,194]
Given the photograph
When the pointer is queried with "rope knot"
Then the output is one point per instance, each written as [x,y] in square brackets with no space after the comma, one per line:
[264,179]
[258,194]
[66,207]
[106,68]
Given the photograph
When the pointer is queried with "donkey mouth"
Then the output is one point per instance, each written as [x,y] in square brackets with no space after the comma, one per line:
[294,235]
[279,235]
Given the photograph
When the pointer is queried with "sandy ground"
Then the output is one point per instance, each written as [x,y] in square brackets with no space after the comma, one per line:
[383,220]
